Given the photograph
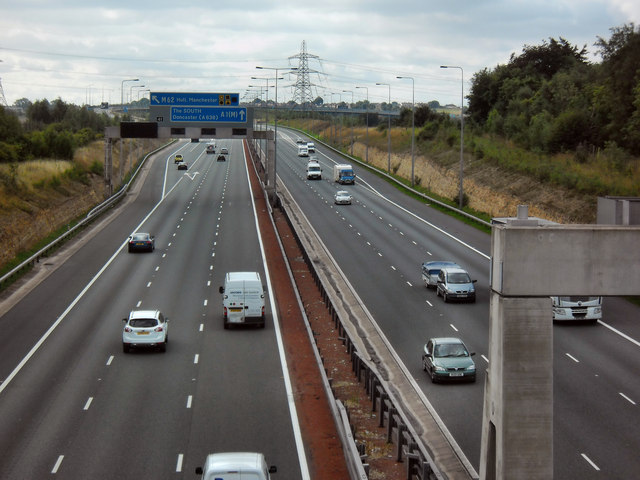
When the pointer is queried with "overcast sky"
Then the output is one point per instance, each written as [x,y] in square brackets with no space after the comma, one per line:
[82,50]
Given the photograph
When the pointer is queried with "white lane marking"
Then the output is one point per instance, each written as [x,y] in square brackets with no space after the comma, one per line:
[293,414]
[626,337]
[110,360]
[208,283]
[148,284]
[56,467]
[157,268]
[88,403]
[164,255]
[379,254]
[393,268]
[202,327]
[189,400]
[205,302]
[210,267]
[139,303]
[453,326]
[409,283]
[485,358]
[572,358]
[429,303]
[627,398]
[179,463]
[595,467]
[196,358]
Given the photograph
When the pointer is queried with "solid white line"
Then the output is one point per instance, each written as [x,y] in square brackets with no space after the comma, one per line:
[626,337]
[297,434]
[55,324]
[179,463]
[627,398]
[57,465]
[590,462]
[572,358]
[88,404]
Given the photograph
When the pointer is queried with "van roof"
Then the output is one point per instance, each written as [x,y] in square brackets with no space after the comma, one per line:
[233,461]
[243,276]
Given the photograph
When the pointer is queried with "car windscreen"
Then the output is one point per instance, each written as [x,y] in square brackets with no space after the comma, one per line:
[450,350]
[143,322]
[140,236]
[458,277]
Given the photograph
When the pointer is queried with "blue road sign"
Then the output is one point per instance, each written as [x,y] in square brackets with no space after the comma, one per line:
[209,114]
[194,99]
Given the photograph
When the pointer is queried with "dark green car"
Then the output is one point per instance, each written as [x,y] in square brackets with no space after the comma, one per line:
[448,359]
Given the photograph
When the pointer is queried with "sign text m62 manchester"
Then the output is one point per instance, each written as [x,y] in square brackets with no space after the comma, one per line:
[197,109]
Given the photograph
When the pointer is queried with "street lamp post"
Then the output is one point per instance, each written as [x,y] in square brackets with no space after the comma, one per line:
[351,92]
[413,125]
[275,122]
[367,120]
[460,194]
[388,130]
[122,88]
[131,91]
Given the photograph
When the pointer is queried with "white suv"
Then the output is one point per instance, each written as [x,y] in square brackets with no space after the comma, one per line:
[145,328]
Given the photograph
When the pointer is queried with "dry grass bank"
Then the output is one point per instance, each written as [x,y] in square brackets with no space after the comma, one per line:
[41,196]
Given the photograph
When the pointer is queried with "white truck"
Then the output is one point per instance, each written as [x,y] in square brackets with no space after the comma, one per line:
[343,173]
[314,172]
[577,309]
[243,299]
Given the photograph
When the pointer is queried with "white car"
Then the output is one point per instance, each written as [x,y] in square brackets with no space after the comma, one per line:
[342,198]
[145,328]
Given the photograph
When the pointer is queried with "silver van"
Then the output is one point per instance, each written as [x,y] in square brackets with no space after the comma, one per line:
[242,299]
[235,466]
[430,271]
[454,283]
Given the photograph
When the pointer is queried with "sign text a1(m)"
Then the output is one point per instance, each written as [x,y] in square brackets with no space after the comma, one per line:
[209,114]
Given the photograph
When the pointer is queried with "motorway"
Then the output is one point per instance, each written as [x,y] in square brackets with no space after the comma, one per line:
[380,242]
[73,405]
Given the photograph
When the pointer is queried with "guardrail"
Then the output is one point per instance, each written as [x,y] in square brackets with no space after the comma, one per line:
[388,392]
[92,215]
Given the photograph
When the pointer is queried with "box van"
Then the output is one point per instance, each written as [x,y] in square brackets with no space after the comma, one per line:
[236,466]
[314,171]
[243,299]
[577,308]
[303,151]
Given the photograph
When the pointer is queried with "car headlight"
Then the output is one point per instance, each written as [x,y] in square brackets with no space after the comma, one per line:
[439,368]
[559,311]
[471,368]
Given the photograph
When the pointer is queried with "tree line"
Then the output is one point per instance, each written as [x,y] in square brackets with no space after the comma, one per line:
[48,130]
[552,99]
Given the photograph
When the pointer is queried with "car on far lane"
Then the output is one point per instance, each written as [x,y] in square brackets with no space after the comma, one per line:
[178,158]
[141,241]
[430,271]
[221,158]
[211,147]
[454,283]
[145,328]
[447,358]
[224,150]
[183,166]
[342,197]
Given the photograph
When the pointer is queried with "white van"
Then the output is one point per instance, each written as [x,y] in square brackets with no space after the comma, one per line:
[314,172]
[303,151]
[236,466]
[243,299]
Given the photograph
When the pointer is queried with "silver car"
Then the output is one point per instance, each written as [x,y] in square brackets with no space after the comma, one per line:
[342,197]
[454,283]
